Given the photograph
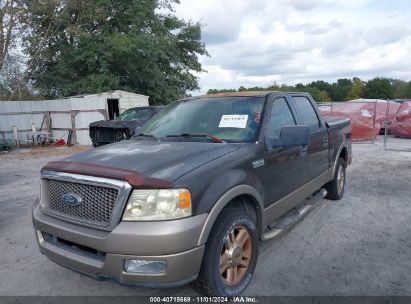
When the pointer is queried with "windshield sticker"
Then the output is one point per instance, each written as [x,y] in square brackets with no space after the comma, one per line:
[233,121]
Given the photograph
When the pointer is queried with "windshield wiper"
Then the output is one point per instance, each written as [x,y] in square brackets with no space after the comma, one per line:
[146,135]
[188,135]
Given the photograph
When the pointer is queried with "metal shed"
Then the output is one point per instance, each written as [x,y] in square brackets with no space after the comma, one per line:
[72,113]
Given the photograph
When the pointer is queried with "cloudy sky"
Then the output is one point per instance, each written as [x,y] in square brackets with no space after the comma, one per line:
[257,42]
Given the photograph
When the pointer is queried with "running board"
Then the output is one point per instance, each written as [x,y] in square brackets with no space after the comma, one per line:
[294,216]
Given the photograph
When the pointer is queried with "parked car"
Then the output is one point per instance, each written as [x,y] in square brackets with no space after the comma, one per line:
[108,131]
[401,126]
[384,112]
[364,113]
[192,195]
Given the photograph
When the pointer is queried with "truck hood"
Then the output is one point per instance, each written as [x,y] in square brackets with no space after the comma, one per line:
[165,161]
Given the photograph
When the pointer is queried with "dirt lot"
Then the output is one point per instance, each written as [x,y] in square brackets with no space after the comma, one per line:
[360,245]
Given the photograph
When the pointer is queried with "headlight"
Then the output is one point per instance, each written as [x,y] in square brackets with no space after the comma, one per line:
[155,205]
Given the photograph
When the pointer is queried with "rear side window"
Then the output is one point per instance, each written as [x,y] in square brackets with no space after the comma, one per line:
[307,112]
[136,114]
[280,116]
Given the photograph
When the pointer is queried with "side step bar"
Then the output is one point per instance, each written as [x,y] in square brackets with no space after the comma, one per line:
[294,216]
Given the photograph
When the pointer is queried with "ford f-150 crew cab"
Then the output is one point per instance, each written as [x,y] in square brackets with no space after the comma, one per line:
[190,196]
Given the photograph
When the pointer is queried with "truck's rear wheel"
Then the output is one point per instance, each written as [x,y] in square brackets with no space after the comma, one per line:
[335,188]
[230,255]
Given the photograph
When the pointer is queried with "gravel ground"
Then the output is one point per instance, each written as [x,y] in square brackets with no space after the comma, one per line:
[360,245]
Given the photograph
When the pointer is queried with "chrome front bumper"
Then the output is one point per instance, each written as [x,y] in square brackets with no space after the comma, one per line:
[101,254]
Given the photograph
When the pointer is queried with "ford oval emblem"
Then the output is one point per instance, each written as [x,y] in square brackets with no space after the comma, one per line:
[72,199]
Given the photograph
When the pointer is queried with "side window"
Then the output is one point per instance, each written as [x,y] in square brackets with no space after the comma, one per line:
[307,112]
[280,116]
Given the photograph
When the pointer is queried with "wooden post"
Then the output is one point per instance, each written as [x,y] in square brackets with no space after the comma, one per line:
[16,136]
[33,129]
[73,126]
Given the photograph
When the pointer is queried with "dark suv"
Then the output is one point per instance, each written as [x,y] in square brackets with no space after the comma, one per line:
[104,132]
[191,195]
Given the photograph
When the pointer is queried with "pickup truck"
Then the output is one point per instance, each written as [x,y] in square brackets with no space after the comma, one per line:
[105,132]
[190,197]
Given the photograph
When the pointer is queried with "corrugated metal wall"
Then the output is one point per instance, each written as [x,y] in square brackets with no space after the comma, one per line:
[128,102]
[66,114]
[70,113]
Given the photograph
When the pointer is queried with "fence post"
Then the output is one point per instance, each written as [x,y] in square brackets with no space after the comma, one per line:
[15,136]
[73,126]
[373,122]
[387,111]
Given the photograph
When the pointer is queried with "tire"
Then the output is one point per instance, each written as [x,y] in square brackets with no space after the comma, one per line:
[335,188]
[231,224]
[96,144]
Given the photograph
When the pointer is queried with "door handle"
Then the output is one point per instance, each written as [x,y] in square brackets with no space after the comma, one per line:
[325,141]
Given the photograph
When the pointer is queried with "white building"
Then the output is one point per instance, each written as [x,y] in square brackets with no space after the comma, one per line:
[72,113]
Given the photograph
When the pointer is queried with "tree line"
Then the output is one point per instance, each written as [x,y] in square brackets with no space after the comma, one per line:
[341,90]
[60,48]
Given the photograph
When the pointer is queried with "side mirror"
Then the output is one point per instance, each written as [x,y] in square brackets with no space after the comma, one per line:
[290,137]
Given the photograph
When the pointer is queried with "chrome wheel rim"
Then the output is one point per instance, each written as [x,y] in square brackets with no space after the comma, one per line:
[340,179]
[235,256]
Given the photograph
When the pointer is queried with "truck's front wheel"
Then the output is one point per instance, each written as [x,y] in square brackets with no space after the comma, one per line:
[230,255]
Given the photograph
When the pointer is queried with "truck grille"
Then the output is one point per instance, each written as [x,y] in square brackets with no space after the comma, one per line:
[96,208]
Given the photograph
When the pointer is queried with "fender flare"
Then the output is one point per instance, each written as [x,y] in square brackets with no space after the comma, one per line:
[223,201]
[337,155]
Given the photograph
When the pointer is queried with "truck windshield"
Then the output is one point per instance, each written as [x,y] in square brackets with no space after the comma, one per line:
[135,114]
[232,119]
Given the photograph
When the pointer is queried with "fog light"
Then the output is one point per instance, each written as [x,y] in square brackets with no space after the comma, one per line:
[145,267]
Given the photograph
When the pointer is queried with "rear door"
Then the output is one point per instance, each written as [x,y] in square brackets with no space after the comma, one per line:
[286,167]
[318,148]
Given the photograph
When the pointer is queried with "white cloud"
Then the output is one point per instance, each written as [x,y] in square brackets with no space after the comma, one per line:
[254,43]
[304,5]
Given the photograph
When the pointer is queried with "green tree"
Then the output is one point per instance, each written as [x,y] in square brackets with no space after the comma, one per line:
[274,87]
[379,88]
[357,90]
[12,84]
[322,86]
[81,46]
[286,88]
[216,91]
[341,89]
[400,88]
[11,20]
[315,92]
[408,94]
[324,97]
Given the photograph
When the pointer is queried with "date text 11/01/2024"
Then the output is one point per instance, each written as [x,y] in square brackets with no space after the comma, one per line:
[202,299]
